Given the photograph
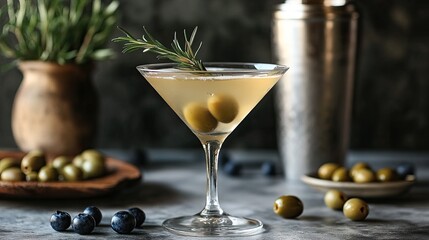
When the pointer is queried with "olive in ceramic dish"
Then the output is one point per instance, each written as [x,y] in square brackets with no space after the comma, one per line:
[326,170]
[341,174]
[358,166]
[364,175]
[387,175]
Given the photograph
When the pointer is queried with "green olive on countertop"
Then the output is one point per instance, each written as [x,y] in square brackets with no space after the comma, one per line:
[13,174]
[9,162]
[61,161]
[93,168]
[199,118]
[335,199]
[326,170]
[223,107]
[356,209]
[357,166]
[33,162]
[48,174]
[387,175]
[71,173]
[363,175]
[32,177]
[288,206]
[341,174]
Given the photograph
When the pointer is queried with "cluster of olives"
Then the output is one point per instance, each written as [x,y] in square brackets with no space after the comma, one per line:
[84,223]
[205,117]
[289,206]
[359,173]
[355,209]
[34,167]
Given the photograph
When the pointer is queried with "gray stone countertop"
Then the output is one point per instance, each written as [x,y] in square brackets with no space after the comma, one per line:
[175,189]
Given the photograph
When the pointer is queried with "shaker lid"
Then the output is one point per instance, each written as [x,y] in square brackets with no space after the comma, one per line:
[320,2]
[324,9]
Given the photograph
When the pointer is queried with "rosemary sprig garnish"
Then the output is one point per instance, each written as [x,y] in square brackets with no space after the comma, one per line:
[184,57]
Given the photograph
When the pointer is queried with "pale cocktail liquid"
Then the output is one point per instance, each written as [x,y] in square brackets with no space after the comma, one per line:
[211,105]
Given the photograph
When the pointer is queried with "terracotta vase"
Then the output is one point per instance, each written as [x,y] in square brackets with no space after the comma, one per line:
[55,108]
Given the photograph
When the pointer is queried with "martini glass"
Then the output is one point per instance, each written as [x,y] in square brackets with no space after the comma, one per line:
[212,103]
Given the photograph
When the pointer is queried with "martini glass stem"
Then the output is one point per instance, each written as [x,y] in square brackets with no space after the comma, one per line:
[212,207]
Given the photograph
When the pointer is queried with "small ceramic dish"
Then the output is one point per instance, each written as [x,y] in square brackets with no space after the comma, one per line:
[364,190]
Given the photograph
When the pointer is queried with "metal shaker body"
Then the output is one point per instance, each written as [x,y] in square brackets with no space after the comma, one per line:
[317,40]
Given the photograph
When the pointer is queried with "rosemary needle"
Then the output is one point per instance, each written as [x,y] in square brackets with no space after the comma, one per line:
[185,57]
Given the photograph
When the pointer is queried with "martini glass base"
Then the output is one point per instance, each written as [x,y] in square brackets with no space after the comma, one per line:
[223,225]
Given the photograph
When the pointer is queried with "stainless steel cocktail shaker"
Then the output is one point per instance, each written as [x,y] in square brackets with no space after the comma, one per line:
[317,40]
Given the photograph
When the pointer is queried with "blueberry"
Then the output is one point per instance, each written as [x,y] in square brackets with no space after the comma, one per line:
[232,168]
[83,223]
[60,221]
[268,169]
[405,169]
[94,212]
[138,214]
[123,222]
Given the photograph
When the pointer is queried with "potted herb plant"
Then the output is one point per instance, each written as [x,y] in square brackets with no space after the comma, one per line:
[55,44]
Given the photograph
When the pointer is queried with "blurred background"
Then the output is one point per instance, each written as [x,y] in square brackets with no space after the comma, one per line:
[391,100]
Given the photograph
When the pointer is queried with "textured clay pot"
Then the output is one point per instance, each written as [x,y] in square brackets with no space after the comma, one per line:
[55,109]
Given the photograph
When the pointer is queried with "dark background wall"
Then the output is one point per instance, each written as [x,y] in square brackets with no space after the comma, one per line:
[391,104]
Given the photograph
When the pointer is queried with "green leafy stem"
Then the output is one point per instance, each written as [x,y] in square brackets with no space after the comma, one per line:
[56,30]
[185,57]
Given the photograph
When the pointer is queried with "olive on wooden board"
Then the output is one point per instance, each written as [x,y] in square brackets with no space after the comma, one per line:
[33,162]
[13,174]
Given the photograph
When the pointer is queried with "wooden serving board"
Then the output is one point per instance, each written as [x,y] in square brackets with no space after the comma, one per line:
[120,175]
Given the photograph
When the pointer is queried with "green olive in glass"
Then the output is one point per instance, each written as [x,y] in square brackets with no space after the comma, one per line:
[356,209]
[199,117]
[387,175]
[223,107]
[364,176]
[335,199]
[71,173]
[13,174]
[33,162]
[9,162]
[93,168]
[341,174]
[288,206]
[32,177]
[326,170]
[48,174]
